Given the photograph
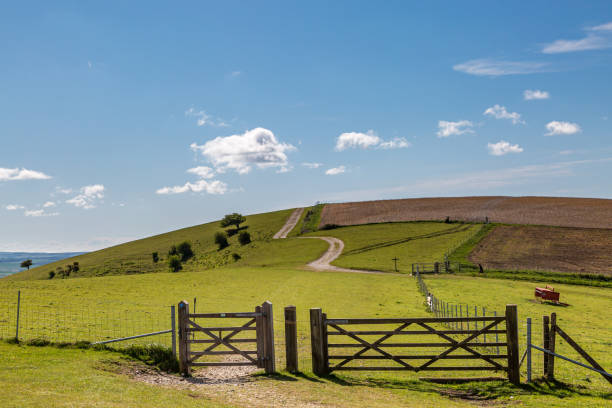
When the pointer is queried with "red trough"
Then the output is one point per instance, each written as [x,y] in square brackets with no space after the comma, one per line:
[547,293]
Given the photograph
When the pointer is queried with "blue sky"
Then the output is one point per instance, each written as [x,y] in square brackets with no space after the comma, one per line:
[124,119]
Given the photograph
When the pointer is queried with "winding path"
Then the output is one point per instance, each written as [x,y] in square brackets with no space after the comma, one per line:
[336,246]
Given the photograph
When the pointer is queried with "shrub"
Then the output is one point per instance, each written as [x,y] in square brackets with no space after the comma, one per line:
[221,240]
[174,263]
[233,219]
[330,226]
[236,257]
[75,266]
[173,250]
[184,249]
[51,274]
[244,238]
[155,257]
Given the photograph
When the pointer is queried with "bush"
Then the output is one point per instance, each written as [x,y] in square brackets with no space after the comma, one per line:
[174,263]
[233,219]
[221,240]
[236,257]
[244,238]
[75,267]
[173,250]
[184,249]
[51,274]
[330,226]
[155,257]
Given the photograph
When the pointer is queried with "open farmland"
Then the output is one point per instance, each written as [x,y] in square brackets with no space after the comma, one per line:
[564,212]
[546,248]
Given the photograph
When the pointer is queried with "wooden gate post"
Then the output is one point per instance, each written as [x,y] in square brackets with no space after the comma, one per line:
[183,315]
[550,372]
[259,336]
[291,339]
[269,360]
[546,338]
[317,343]
[512,341]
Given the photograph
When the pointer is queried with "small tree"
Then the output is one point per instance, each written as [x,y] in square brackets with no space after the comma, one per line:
[173,250]
[51,274]
[184,249]
[233,219]
[174,263]
[244,238]
[75,266]
[155,256]
[26,264]
[236,257]
[221,240]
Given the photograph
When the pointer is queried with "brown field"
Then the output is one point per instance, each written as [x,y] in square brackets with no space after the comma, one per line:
[563,212]
[576,250]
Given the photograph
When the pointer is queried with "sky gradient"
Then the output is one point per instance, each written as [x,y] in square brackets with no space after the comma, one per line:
[120,121]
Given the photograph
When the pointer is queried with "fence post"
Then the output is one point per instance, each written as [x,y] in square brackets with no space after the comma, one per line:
[551,346]
[173,327]
[436,267]
[546,335]
[496,335]
[183,314]
[259,336]
[17,323]
[316,342]
[484,313]
[270,361]
[291,339]
[529,349]
[512,340]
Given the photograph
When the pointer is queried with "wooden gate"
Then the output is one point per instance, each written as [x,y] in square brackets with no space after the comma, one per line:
[218,343]
[371,344]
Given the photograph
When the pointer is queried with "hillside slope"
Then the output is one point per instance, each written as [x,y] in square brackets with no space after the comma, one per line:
[135,257]
[554,211]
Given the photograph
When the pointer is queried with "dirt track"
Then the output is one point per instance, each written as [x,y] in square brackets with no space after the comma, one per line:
[336,246]
[557,211]
[290,224]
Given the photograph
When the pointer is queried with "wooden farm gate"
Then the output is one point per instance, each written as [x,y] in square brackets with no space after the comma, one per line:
[372,344]
[215,338]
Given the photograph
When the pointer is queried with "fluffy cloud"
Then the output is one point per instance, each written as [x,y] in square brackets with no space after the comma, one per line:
[257,147]
[500,112]
[88,196]
[603,27]
[335,171]
[21,174]
[203,185]
[535,94]
[446,129]
[562,128]
[502,147]
[48,204]
[312,165]
[491,67]
[13,207]
[597,38]
[204,119]
[39,213]
[366,140]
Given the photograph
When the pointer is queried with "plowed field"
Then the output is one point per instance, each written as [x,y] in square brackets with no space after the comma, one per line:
[564,212]
[546,248]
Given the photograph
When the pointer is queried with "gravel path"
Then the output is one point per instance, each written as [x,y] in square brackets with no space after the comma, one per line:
[333,252]
[290,224]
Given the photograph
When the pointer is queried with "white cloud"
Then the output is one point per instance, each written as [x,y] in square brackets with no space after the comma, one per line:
[500,112]
[491,67]
[502,147]
[13,207]
[603,27]
[202,185]
[562,128]
[88,196]
[204,118]
[590,42]
[312,165]
[21,174]
[235,74]
[446,129]
[63,190]
[336,170]
[397,143]
[535,94]
[257,147]
[39,213]
[48,204]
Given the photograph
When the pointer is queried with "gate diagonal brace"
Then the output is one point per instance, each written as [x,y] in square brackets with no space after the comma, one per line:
[223,340]
[462,344]
[372,346]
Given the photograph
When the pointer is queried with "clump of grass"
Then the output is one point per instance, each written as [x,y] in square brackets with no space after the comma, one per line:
[311,220]
[153,355]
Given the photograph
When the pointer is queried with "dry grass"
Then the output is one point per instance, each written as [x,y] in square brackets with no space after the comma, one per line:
[564,212]
[547,248]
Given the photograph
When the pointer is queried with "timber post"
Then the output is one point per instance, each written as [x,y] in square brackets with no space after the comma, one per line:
[512,344]
[259,336]
[316,341]
[183,314]
[550,372]
[546,338]
[269,360]
[291,339]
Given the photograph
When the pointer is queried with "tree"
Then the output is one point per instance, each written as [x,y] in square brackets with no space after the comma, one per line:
[26,264]
[155,256]
[75,266]
[244,238]
[184,249]
[174,263]
[221,239]
[51,274]
[173,250]
[233,219]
